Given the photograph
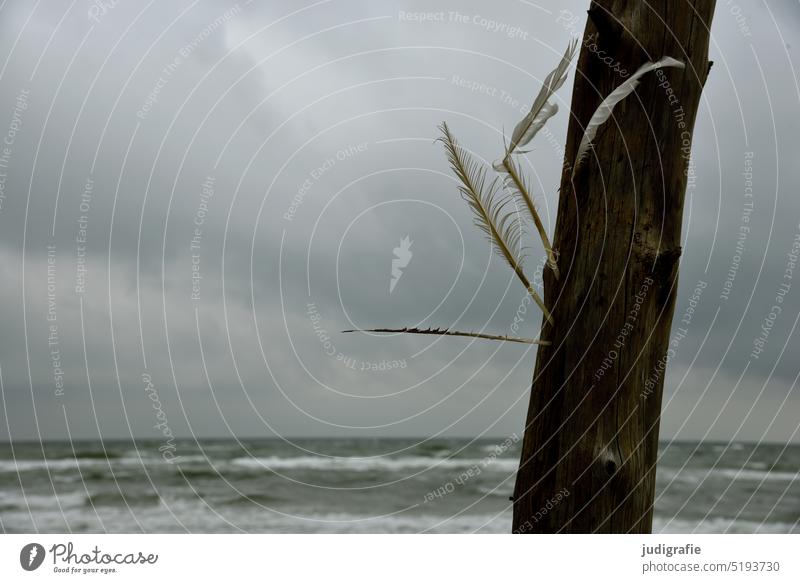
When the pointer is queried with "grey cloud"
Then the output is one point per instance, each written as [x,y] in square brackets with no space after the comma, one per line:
[385,83]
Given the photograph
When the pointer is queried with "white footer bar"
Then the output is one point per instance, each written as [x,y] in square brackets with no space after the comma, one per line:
[400,558]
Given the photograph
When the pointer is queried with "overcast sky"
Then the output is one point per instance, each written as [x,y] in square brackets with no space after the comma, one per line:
[293,142]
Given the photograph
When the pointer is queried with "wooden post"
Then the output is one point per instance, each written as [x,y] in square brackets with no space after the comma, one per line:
[591,438]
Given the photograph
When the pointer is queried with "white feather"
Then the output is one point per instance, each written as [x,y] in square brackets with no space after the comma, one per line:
[542,109]
[603,112]
[499,223]
[530,124]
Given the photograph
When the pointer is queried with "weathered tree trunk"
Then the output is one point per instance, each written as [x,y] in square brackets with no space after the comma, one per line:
[591,437]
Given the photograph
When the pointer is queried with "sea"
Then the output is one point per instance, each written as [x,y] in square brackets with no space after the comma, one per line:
[359,486]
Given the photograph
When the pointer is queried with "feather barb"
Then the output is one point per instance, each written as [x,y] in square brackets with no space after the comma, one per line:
[500,226]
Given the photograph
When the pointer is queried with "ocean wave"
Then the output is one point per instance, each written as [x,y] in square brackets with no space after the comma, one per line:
[666,525]
[354,464]
[405,523]
[759,475]
[247,500]
[96,454]
[72,463]
[199,465]
[119,498]
[23,502]
[109,513]
[697,476]
[16,466]
[503,493]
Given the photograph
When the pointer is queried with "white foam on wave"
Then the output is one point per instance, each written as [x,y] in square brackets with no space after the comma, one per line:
[14,466]
[696,476]
[664,525]
[400,523]
[759,475]
[175,515]
[355,464]
[61,464]
[22,502]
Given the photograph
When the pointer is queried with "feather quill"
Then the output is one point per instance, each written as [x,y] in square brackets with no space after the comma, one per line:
[500,225]
[515,182]
[447,332]
[604,111]
[542,109]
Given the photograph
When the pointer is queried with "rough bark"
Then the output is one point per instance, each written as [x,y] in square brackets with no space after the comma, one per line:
[591,437]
